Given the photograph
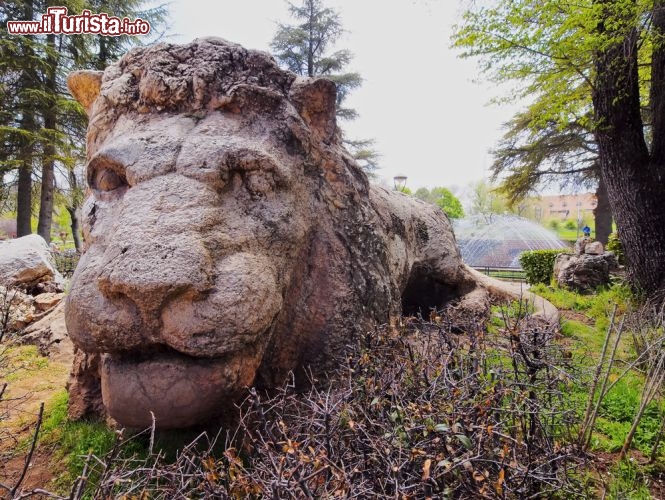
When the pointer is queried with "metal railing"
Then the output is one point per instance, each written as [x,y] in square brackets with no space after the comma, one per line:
[502,273]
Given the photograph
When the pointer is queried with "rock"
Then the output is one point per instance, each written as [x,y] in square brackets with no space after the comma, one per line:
[26,262]
[50,335]
[17,307]
[48,300]
[594,248]
[84,386]
[232,239]
[584,272]
[581,244]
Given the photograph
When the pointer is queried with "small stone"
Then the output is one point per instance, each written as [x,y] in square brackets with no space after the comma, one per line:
[581,244]
[46,301]
[594,248]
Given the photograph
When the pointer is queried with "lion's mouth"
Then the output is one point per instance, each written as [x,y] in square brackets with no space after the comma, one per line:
[175,389]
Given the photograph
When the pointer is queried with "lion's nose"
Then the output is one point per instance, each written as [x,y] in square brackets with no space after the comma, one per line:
[152,274]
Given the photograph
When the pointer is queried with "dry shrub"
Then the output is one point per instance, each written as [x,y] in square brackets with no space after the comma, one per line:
[417,411]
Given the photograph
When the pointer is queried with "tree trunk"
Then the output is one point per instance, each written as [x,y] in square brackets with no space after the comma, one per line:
[27,149]
[602,213]
[310,44]
[633,178]
[24,195]
[73,206]
[46,197]
[48,163]
[76,228]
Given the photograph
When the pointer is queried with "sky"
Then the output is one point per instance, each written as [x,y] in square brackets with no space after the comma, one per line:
[418,100]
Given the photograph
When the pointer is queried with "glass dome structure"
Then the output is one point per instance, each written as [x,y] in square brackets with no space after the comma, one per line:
[498,240]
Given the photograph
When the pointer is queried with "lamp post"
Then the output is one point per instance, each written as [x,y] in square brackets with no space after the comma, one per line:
[400,182]
[579,216]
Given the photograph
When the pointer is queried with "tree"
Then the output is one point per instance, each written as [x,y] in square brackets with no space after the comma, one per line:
[444,199]
[552,140]
[532,155]
[20,68]
[562,53]
[305,49]
[487,201]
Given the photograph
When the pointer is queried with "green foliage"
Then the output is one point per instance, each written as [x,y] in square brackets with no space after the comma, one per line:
[364,153]
[306,48]
[614,245]
[597,306]
[41,127]
[589,72]
[570,224]
[628,483]
[487,199]
[618,409]
[544,47]
[577,330]
[444,199]
[76,440]
[538,265]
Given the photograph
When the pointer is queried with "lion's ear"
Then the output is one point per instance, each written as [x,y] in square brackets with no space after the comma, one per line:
[315,101]
[84,86]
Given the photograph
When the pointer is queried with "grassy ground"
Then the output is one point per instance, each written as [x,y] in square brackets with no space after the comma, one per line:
[585,324]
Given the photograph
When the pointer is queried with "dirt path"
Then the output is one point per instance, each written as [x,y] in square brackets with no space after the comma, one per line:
[31,379]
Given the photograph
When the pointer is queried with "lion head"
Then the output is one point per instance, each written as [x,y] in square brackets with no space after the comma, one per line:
[230,237]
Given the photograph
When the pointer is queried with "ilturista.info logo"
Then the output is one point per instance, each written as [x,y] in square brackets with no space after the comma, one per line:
[56,21]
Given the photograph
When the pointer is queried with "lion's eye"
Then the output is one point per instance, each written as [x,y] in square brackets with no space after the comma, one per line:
[105,176]
[108,180]
[259,183]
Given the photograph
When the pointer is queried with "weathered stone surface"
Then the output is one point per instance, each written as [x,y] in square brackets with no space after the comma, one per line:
[26,262]
[84,386]
[594,248]
[18,307]
[50,334]
[231,238]
[48,300]
[584,272]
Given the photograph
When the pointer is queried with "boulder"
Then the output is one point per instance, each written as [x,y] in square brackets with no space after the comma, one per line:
[231,239]
[26,262]
[49,334]
[584,272]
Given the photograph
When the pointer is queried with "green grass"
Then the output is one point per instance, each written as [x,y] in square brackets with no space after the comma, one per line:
[568,234]
[621,403]
[24,359]
[627,483]
[72,441]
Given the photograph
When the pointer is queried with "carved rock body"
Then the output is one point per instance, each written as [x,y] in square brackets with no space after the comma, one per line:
[230,237]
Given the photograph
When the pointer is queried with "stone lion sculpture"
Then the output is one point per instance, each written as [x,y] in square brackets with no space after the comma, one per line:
[230,237]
